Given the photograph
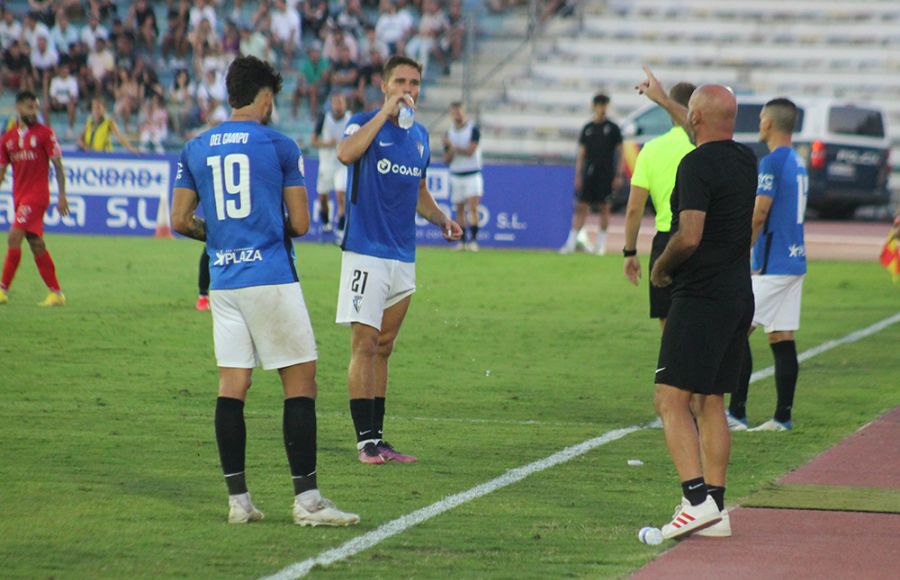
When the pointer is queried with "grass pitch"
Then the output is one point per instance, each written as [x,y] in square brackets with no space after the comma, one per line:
[109,467]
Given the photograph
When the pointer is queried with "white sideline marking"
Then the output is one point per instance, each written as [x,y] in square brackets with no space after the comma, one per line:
[828,345]
[403,523]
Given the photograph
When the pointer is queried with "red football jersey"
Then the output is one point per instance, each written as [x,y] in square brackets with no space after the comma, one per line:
[30,149]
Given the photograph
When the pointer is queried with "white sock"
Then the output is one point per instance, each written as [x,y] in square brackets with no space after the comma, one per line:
[361,444]
[570,241]
[242,498]
[601,241]
[309,499]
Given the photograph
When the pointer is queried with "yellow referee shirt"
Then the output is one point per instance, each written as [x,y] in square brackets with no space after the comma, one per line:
[655,170]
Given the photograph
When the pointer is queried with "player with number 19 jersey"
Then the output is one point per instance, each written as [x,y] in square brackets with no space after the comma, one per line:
[239,170]
[780,249]
[383,191]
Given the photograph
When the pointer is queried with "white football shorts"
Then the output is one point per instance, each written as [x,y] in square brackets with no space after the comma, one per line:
[777,299]
[264,326]
[371,285]
[463,187]
[332,176]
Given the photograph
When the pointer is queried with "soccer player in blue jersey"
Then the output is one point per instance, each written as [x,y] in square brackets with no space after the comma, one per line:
[246,174]
[779,261]
[386,178]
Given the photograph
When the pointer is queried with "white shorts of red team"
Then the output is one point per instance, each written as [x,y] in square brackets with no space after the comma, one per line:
[777,301]
[265,326]
[463,187]
[332,176]
[371,285]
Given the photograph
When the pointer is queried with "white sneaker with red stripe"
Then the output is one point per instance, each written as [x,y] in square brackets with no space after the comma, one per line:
[721,529]
[688,518]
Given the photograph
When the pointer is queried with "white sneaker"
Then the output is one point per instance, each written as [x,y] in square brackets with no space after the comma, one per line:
[722,529]
[773,425]
[734,423]
[472,246]
[688,518]
[566,250]
[241,510]
[324,513]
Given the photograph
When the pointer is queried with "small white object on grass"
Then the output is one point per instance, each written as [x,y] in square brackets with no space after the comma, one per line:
[635,462]
[650,536]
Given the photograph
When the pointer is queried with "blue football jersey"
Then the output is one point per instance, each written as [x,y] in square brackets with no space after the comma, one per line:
[779,249]
[239,170]
[383,191]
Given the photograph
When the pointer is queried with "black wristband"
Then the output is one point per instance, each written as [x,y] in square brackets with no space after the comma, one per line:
[629,253]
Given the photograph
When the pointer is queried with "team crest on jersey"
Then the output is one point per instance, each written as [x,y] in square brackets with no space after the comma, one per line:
[357,302]
[33,141]
[421,147]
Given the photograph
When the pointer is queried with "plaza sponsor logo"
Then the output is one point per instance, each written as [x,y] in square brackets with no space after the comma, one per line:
[385,166]
[237,256]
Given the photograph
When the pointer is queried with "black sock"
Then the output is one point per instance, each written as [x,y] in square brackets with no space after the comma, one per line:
[786,370]
[323,215]
[463,238]
[231,437]
[362,411]
[718,494]
[300,441]
[378,418]
[203,274]
[694,490]
[474,233]
[340,224]
[737,406]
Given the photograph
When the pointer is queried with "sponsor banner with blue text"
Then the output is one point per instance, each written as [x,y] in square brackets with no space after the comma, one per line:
[524,206]
[109,194]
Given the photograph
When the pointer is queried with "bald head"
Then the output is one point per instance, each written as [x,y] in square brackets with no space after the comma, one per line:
[711,113]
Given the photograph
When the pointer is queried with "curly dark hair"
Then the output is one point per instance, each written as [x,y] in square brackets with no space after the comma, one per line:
[247,75]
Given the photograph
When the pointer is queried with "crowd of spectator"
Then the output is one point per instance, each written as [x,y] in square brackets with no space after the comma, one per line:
[72,53]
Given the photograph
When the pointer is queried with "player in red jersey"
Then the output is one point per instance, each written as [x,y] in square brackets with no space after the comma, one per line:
[31,147]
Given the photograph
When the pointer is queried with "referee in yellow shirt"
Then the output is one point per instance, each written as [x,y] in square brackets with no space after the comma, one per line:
[654,175]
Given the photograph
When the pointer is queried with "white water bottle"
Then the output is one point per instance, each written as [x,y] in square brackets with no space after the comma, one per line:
[406,117]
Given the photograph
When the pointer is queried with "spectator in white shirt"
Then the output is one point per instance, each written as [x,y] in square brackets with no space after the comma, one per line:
[64,97]
[93,31]
[286,31]
[34,29]
[201,11]
[335,39]
[154,125]
[102,64]
[43,61]
[10,30]
[391,27]
[63,35]
[432,26]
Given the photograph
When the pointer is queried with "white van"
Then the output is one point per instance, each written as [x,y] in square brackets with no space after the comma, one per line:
[845,146]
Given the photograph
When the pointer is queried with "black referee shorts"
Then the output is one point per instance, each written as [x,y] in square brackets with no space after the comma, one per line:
[702,348]
[660,298]
[595,190]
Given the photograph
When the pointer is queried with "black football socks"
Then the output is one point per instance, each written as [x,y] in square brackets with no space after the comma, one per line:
[231,437]
[694,490]
[786,370]
[300,441]
[737,406]
[363,413]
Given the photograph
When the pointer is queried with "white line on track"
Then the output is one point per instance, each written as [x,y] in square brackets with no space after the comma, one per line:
[403,523]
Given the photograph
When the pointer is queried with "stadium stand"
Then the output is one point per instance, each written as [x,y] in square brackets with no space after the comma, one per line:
[846,50]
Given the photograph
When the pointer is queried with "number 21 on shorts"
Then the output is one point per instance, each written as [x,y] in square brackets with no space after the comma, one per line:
[358,282]
[231,176]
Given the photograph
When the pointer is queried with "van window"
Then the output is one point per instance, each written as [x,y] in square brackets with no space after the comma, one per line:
[855,121]
[654,122]
[747,120]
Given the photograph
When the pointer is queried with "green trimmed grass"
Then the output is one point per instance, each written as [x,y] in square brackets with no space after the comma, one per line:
[827,497]
[109,464]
